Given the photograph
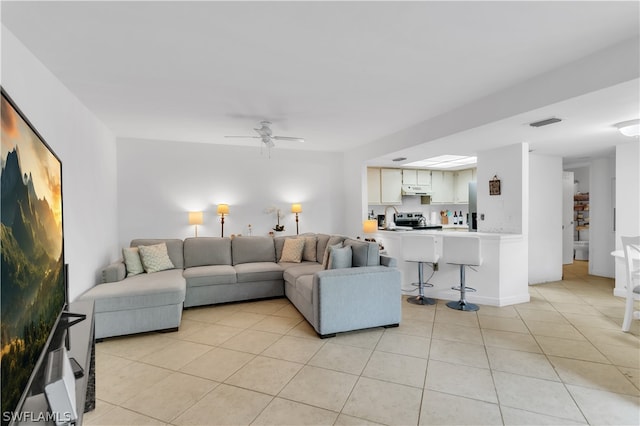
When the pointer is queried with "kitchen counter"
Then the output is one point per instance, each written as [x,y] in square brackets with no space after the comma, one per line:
[501,280]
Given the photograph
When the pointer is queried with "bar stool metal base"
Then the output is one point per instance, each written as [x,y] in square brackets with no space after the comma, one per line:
[421,300]
[461,305]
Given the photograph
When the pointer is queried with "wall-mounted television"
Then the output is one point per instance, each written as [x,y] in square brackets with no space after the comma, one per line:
[33,285]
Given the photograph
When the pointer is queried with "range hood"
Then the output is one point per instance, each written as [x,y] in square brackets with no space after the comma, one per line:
[416,190]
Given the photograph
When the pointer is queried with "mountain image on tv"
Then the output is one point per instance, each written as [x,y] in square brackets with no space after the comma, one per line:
[32,264]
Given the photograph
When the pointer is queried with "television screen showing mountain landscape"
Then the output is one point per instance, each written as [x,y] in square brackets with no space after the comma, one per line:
[33,287]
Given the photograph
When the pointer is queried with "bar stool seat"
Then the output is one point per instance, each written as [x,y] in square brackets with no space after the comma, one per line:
[465,251]
[420,249]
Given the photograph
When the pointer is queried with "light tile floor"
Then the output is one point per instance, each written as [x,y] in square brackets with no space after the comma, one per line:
[560,359]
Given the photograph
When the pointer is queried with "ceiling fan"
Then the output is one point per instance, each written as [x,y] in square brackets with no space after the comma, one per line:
[265,133]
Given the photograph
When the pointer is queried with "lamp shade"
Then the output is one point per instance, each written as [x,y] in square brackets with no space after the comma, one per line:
[629,128]
[296,208]
[369,226]
[195,218]
[223,208]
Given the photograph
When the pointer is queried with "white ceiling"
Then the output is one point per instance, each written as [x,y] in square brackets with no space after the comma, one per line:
[339,74]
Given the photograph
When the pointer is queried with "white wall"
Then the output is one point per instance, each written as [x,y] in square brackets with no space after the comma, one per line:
[545,219]
[160,181]
[627,192]
[88,153]
[601,216]
[581,175]
[507,212]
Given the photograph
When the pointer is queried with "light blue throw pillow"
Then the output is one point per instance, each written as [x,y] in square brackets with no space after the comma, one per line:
[340,258]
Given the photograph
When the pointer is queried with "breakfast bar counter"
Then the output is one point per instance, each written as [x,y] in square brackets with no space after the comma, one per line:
[501,280]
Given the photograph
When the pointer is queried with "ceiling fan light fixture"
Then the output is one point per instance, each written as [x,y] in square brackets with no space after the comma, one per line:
[629,128]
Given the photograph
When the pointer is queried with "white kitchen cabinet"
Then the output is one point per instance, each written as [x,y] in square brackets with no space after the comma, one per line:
[424,178]
[409,177]
[442,186]
[373,185]
[391,186]
[416,177]
[461,185]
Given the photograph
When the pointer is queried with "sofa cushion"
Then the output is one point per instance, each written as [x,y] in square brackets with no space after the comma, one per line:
[199,276]
[292,250]
[304,286]
[321,246]
[174,248]
[140,291]
[365,253]
[340,258]
[204,251]
[292,273]
[252,249]
[278,243]
[310,247]
[258,271]
[155,258]
[132,261]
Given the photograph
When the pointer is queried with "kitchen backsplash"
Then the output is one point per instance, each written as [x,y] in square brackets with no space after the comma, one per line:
[412,204]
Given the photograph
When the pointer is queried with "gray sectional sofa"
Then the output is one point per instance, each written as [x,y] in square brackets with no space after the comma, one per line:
[210,270]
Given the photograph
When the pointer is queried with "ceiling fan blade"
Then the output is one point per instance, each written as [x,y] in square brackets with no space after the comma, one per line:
[245,137]
[287,138]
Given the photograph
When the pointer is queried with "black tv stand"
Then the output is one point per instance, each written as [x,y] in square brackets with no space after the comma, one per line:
[68,322]
[81,347]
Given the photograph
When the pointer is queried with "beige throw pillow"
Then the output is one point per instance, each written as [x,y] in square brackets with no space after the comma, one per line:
[132,261]
[155,258]
[309,252]
[292,250]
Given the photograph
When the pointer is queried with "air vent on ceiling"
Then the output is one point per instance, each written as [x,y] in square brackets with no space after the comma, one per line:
[545,122]
[399,159]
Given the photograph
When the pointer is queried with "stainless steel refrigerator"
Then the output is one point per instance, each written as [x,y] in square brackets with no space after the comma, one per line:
[472,220]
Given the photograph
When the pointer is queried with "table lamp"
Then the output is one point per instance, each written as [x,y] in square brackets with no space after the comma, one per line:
[195,218]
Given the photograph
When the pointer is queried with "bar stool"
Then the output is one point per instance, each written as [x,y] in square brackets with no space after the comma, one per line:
[420,249]
[462,251]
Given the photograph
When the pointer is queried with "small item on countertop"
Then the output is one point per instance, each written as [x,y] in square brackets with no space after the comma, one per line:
[455,217]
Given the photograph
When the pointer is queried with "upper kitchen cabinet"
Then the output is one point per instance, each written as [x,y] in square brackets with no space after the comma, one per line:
[373,186]
[384,186]
[416,177]
[391,186]
[461,185]
[442,186]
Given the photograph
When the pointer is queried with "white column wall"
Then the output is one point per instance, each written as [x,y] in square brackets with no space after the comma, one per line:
[508,212]
[601,217]
[87,150]
[545,219]
[627,190]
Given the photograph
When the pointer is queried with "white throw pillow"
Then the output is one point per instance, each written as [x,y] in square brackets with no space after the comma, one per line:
[155,258]
[132,261]
[340,258]
[292,250]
